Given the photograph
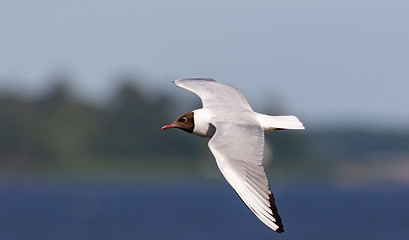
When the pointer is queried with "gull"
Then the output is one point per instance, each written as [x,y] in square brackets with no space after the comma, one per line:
[237,141]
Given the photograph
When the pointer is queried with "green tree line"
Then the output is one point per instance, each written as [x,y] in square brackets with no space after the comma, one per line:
[57,131]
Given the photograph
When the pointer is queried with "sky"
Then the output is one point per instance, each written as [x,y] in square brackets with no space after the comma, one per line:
[328,62]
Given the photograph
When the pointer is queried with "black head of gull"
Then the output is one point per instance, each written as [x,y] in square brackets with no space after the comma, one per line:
[185,122]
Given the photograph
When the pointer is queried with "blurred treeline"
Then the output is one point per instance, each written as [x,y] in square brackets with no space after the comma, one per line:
[58,132]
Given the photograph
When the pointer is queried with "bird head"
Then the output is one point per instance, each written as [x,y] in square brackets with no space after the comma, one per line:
[184,122]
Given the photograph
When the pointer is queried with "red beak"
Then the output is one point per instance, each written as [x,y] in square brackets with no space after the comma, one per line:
[168,126]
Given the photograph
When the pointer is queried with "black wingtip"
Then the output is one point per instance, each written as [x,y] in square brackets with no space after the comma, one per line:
[273,208]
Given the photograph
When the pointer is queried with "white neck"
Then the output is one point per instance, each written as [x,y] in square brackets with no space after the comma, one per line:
[202,128]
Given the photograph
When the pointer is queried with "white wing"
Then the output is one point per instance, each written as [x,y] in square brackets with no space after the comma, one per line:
[214,94]
[238,149]
[237,145]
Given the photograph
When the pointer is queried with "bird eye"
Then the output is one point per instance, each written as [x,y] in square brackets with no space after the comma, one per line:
[184,119]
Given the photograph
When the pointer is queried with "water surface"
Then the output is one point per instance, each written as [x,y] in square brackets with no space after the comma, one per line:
[196,211]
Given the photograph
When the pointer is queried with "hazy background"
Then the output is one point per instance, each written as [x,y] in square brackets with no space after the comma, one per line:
[327,61]
[85,87]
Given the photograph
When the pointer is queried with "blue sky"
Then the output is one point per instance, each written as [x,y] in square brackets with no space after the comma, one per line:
[325,61]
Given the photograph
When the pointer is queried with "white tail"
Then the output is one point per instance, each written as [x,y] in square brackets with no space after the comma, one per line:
[270,123]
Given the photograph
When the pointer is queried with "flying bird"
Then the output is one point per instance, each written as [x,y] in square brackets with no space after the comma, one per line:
[237,141]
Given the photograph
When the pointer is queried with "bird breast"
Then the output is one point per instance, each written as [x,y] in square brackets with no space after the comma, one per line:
[202,126]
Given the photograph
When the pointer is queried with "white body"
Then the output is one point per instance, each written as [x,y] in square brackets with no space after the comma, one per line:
[203,127]
[237,142]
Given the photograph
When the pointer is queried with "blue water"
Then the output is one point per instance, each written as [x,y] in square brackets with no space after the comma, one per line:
[197,211]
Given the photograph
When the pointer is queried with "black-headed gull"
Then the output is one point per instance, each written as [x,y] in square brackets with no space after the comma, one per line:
[237,141]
